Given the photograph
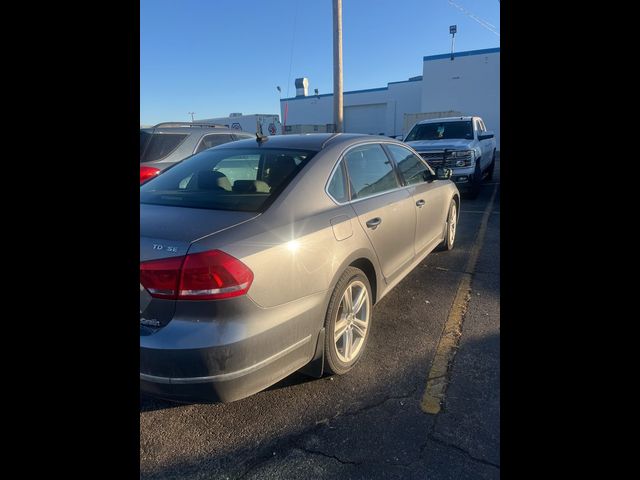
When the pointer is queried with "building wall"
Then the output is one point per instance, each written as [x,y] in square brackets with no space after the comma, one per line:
[469,84]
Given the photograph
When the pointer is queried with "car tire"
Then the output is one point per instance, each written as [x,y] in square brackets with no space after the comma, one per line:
[451,228]
[491,167]
[476,183]
[346,332]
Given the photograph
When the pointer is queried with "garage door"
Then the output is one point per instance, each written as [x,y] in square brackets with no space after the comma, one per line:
[365,118]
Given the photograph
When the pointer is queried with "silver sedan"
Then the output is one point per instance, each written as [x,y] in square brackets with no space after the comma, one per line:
[262,257]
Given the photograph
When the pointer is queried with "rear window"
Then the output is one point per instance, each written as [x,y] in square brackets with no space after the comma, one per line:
[246,179]
[155,146]
[441,131]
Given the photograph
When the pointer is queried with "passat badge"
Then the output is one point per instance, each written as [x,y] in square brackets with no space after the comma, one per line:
[149,322]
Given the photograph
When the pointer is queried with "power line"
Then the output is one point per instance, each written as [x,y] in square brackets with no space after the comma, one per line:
[293,43]
[482,22]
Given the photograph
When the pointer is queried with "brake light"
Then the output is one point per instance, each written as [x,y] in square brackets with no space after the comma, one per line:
[147,172]
[210,275]
[161,277]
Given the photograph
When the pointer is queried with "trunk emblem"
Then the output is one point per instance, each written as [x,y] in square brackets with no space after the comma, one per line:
[149,322]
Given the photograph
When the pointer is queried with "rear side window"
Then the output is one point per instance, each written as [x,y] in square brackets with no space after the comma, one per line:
[213,140]
[370,171]
[155,146]
[337,187]
[411,166]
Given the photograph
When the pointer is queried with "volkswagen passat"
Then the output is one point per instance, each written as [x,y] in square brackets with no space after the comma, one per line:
[262,257]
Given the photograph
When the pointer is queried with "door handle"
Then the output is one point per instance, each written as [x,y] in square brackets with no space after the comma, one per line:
[374,222]
[420,203]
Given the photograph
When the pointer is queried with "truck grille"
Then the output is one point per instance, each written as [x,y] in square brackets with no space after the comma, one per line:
[434,159]
[437,159]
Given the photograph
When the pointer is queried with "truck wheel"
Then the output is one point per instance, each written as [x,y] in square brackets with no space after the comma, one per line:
[348,322]
[476,184]
[490,169]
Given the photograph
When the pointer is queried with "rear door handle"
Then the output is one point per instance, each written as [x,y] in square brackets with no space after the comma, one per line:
[374,222]
[420,203]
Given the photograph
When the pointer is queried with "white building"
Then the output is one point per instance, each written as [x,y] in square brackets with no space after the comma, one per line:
[468,84]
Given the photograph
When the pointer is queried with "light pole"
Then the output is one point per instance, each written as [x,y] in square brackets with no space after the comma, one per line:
[191,113]
[452,30]
[337,66]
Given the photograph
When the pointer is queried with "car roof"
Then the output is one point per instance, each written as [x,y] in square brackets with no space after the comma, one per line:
[307,141]
[446,119]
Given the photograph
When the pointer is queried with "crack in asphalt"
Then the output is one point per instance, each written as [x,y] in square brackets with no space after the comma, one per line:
[442,442]
[293,443]
[334,457]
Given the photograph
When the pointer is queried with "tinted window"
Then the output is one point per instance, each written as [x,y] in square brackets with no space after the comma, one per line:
[370,171]
[226,179]
[213,140]
[441,131]
[337,186]
[411,166]
[154,146]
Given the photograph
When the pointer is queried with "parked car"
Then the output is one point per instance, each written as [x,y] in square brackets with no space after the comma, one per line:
[260,257]
[167,143]
[460,143]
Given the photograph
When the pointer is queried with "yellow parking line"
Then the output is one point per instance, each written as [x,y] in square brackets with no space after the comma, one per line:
[452,330]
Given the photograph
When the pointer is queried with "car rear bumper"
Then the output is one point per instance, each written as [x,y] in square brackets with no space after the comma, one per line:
[213,353]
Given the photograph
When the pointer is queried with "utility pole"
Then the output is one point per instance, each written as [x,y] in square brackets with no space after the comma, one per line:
[191,113]
[337,65]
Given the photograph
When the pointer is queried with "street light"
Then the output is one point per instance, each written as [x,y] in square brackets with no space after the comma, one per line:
[452,30]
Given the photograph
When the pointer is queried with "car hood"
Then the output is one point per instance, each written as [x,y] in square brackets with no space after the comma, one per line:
[164,226]
[423,145]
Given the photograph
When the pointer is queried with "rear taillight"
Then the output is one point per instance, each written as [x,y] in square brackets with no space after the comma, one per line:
[147,172]
[210,275]
[161,277]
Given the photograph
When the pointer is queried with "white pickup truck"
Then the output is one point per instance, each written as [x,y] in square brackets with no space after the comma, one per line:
[462,144]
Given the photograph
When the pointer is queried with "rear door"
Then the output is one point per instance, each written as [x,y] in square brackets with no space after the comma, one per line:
[429,196]
[385,211]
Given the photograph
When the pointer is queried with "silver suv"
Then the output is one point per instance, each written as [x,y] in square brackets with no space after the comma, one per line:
[168,143]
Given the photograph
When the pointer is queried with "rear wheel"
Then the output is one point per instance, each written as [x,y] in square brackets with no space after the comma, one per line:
[348,322]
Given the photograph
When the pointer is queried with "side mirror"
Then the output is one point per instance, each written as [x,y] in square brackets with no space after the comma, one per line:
[443,173]
[485,135]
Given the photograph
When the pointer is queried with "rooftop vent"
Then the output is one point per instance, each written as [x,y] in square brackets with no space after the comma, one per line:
[302,87]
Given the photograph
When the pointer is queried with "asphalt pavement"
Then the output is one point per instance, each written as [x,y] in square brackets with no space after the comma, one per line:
[368,423]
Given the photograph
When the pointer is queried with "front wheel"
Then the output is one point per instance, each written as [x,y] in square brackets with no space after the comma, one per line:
[476,183]
[348,322]
[491,167]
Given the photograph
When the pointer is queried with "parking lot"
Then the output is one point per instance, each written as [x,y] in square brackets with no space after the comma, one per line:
[370,423]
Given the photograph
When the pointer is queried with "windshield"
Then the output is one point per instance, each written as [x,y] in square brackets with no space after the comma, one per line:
[154,146]
[441,131]
[245,179]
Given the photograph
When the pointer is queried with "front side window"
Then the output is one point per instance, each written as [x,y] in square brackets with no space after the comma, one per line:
[370,171]
[241,179]
[462,129]
[155,146]
[213,140]
[412,167]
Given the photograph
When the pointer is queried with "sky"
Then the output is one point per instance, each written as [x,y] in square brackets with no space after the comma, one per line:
[216,57]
